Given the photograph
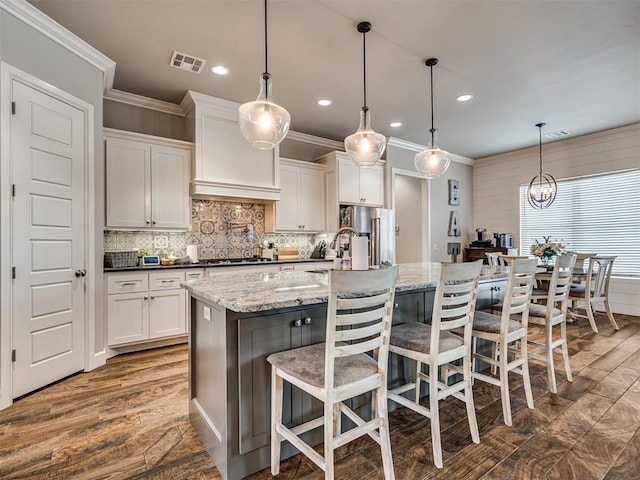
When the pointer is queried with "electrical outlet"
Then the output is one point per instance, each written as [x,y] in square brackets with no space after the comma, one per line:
[207,313]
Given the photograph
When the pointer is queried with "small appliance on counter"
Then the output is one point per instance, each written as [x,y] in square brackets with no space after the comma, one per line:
[482,241]
[503,240]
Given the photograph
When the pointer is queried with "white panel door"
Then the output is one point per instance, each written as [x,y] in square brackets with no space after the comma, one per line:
[170,206]
[48,156]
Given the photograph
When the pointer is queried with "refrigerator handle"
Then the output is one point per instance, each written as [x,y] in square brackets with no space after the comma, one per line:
[374,246]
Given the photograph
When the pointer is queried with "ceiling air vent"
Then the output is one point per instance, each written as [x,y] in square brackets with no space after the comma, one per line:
[557,134]
[187,62]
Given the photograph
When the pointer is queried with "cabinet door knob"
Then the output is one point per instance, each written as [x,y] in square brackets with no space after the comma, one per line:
[80,273]
[147,222]
[154,222]
[152,297]
[297,323]
[146,298]
[395,305]
[307,321]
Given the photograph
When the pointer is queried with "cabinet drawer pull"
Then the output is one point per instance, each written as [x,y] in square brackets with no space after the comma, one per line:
[167,281]
[128,284]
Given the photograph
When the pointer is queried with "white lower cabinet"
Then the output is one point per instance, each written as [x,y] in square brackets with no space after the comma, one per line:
[146,306]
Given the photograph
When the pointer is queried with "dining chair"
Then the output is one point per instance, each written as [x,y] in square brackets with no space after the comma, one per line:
[554,314]
[359,311]
[594,290]
[504,260]
[492,258]
[435,345]
[508,336]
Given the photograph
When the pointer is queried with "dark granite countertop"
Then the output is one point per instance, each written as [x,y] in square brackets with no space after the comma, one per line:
[213,265]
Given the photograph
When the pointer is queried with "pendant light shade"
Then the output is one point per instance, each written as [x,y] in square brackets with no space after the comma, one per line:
[264,123]
[365,147]
[543,187]
[432,162]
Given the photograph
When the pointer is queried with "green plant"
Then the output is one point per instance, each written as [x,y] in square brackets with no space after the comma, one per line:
[142,252]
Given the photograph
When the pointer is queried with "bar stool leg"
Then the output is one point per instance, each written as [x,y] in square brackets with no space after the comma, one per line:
[435,415]
[551,373]
[565,351]
[277,385]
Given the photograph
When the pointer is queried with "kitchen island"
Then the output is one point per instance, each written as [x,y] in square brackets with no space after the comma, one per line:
[236,321]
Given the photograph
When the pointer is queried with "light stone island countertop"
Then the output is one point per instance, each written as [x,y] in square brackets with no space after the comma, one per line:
[258,292]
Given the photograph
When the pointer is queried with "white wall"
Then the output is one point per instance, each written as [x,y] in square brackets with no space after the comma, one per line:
[497,180]
[34,52]
[400,155]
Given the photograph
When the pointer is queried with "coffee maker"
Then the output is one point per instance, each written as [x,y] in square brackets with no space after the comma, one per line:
[482,240]
[503,240]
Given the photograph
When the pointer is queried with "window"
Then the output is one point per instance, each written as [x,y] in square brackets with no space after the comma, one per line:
[599,213]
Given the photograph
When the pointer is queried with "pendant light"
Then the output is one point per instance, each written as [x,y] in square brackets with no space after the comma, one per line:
[432,162]
[364,147]
[543,187]
[264,123]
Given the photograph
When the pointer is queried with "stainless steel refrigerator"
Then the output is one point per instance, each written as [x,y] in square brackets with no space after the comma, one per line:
[378,224]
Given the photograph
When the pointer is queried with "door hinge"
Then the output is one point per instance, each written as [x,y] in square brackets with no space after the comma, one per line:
[13,189]
[13,355]
[13,108]
[13,272]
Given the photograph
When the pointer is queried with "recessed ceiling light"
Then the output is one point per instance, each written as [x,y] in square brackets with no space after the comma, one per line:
[324,102]
[395,124]
[220,70]
[558,134]
[464,97]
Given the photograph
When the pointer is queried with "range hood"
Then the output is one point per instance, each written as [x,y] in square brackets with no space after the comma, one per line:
[236,191]
[224,163]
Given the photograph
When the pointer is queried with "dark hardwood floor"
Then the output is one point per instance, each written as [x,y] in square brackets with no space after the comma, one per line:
[128,420]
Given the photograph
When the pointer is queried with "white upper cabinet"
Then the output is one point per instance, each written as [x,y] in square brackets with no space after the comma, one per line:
[302,204]
[226,165]
[147,181]
[354,185]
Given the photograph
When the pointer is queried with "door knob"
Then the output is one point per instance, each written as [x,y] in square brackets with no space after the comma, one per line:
[81,273]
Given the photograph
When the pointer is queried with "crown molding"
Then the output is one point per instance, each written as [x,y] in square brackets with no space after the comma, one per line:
[144,102]
[313,140]
[37,20]
[416,147]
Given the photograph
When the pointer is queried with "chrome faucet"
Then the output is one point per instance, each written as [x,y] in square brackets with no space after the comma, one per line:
[352,231]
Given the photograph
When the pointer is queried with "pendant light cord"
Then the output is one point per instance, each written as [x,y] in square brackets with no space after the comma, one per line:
[266,55]
[364,69]
[433,130]
[540,144]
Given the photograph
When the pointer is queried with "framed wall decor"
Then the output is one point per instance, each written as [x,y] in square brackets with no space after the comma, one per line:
[454,227]
[454,192]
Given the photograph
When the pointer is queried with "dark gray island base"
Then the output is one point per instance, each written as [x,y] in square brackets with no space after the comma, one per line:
[232,332]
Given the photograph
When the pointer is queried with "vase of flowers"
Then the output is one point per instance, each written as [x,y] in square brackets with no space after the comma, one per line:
[547,250]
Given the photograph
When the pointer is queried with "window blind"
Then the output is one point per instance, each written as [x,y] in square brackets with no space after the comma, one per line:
[598,214]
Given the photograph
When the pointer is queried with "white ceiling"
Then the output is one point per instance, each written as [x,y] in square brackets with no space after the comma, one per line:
[573,64]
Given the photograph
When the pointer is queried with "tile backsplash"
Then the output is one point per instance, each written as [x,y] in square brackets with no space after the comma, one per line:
[219,229]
